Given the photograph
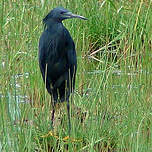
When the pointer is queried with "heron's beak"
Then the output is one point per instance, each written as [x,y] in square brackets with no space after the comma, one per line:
[71,15]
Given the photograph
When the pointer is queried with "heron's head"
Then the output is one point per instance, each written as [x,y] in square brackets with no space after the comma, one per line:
[59,14]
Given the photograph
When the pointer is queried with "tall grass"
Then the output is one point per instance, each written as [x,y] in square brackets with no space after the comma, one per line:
[111,108]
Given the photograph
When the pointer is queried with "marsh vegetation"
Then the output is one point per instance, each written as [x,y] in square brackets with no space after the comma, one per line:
[111,109]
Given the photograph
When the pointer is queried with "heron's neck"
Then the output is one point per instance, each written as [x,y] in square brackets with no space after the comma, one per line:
[52,23]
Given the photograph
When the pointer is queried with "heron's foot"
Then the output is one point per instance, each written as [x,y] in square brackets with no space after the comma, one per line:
[50,133]
[66,139]
[69,139]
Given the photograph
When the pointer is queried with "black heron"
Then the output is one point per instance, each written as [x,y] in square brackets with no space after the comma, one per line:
[57,57]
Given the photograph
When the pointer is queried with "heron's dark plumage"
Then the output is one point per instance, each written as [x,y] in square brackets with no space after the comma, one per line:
[57,56]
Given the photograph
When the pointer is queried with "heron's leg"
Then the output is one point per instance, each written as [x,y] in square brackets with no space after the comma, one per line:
[69,121]
[53,111]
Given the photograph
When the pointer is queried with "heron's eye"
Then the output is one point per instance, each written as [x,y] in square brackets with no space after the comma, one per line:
[62,12]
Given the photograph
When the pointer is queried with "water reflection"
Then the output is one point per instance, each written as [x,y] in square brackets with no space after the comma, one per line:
[13,107]
[15,98]
[120,72]
[21,75]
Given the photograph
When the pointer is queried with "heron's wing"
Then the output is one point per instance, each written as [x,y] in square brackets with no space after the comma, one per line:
[42,60]
[46,44]
[71,58]
[73,66]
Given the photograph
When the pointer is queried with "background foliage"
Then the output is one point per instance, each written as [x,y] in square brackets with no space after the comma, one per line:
[111,107]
